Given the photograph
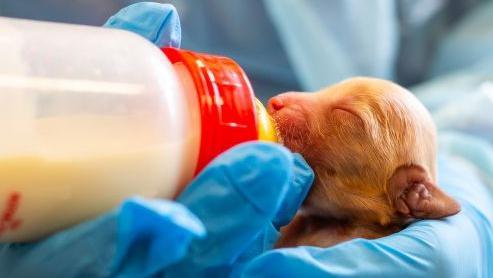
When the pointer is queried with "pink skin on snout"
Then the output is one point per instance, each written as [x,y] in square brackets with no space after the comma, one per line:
[294,113]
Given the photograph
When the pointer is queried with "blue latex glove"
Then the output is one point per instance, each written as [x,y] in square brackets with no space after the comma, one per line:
[159,23]
[459,246]
[122,242]
[236,200]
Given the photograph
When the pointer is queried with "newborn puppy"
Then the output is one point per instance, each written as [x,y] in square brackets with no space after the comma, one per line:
[372,146]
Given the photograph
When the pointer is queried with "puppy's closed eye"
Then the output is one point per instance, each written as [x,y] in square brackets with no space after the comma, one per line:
[346,122]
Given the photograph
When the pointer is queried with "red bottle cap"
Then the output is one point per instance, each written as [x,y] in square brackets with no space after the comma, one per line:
[226,102]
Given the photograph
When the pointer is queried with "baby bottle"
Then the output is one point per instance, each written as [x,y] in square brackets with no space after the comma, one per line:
[90,116]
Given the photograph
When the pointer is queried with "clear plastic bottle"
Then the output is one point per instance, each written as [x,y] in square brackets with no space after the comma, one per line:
[90,116]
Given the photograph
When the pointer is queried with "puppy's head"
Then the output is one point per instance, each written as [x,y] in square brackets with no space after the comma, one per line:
[372,146]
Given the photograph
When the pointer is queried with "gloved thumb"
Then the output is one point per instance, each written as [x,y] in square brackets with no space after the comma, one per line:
[302,179]
[159,23]
[236,197]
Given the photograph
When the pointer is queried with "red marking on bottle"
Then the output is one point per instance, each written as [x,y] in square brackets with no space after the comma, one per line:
[7,220]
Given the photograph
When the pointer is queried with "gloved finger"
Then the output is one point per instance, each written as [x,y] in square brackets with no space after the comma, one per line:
[302,180]
[140,239]
[159,23]
[153,234]
[297,192]
[236,197]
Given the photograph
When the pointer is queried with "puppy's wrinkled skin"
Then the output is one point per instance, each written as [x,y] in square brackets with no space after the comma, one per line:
[372,146]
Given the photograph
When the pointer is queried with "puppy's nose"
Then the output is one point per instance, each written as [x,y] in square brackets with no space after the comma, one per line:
[275,104]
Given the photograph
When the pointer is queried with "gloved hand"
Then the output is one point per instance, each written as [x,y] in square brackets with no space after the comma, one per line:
[458,246]
[236,200]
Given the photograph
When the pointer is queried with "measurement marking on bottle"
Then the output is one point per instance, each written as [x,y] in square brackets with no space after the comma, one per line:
[8,220]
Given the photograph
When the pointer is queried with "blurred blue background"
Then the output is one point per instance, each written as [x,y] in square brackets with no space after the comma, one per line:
[297,45]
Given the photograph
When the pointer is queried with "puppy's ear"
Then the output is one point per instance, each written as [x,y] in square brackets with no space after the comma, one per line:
[414,195]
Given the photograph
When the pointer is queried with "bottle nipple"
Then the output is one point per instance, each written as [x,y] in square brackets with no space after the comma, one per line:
[265,124]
